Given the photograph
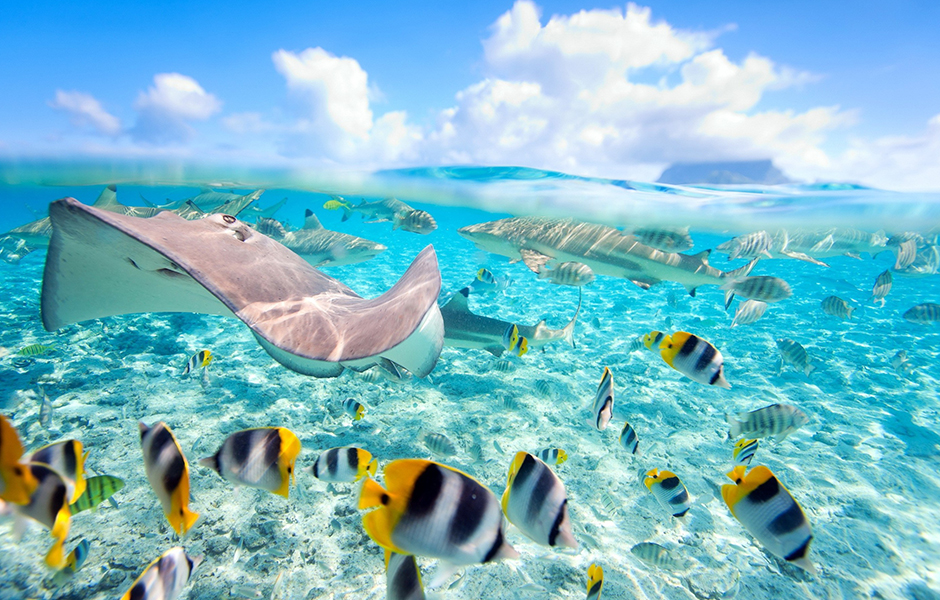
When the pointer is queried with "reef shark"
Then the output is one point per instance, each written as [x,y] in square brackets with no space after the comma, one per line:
[319,246]
[463,329]
[102,263]
[540,240]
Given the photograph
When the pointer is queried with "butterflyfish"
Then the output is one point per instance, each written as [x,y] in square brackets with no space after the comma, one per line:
[168,473]
[259,458]
[669,490]
[344,465]
[536,502]
[165,578]
[767,510]
[695,358]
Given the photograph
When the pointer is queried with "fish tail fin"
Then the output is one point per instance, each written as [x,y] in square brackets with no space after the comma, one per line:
[735,426]
[569,328]
[189,519]
[371,494]
[347,212]
[55,558]
[729,297]
[850,311]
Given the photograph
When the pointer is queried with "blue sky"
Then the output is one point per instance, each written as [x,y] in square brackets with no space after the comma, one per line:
[829,90]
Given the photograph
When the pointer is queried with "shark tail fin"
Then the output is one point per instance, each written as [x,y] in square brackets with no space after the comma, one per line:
[147,202]
[742,271]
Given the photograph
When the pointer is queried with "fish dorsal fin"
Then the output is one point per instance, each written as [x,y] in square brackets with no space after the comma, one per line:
[107,198]
[459,301]
[311,221]
[534,260]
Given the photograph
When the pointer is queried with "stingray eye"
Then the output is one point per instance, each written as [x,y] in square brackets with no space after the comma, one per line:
[228,219]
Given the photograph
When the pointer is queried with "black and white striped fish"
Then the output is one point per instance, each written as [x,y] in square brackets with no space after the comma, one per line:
[665,239]
[669,491]
[402,577]
[260,458]
[777,420]
[757,287]
[793,353]
[165,578]
[574,274]
[882,286]
[837,307]
[767,510]
[923,313]
[744,451]
[67,459]
[168,473]
[354,409]
[750,245]
[49,505]
[344,465]
[748,312]
[629,439]
[603,407]
[536,502]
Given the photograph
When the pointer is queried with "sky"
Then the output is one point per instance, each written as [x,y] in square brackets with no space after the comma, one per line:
[829,90]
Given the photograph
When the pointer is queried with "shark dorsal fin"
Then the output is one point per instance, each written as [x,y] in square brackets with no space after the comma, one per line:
[107,197]
[459,301]
[703,255]
[311,221]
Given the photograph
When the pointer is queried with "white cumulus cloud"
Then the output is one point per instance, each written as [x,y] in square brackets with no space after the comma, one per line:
[86,111]
[166,108]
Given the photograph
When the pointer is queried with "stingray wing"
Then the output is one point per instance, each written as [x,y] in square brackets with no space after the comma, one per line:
[101,264]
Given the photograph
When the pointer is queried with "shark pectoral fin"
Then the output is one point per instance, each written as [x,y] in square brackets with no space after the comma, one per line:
[691,290]
[496,351]
[534,260]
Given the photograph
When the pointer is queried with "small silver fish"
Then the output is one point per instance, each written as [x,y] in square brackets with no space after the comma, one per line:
[777,420]
[759,287]
[882,286]
[837,307]
[45,411]
[750,245]
[439,444]
[568,273]
[793,353]
[901,365]
[923,313]
[658,556]
[748,312]
[665,239]
[906,253]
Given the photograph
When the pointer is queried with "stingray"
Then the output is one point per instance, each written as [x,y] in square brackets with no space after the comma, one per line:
[102,264]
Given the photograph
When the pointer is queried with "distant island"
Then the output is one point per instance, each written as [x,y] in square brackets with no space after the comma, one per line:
[747,171]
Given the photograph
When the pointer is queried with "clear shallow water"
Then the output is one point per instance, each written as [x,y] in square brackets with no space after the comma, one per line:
[864,469]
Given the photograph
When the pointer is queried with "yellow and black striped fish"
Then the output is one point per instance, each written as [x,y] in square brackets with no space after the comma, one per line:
[669,490]
[769,513]
[552,456]
[16,480]
[200,359]
[35,350]
[49,505]
[344,465]
[260,458]
[695,358]
[67,460]
[432,510]
[744,452]
[98,489]
[652,340]
[354,409]
[595,582]
[536,502]
[168,473]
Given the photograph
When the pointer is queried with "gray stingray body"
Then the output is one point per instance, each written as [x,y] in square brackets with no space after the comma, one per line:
[101,264]
[464,329]
[541,240]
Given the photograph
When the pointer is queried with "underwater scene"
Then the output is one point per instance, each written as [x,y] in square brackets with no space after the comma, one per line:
[467,383]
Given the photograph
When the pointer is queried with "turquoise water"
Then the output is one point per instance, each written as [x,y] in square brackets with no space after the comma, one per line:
[864,469]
